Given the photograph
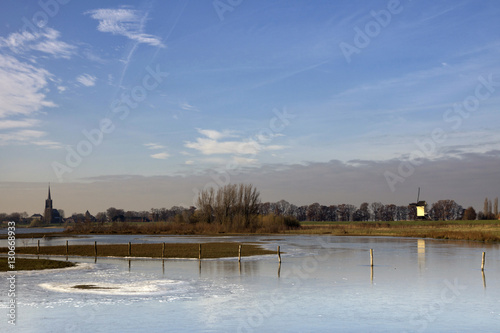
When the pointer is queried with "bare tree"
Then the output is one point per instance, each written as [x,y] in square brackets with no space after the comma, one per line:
[446,210]
[205,204]
[377,211]
[495,208]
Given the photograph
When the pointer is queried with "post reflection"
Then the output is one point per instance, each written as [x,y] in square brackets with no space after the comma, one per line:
[224,268]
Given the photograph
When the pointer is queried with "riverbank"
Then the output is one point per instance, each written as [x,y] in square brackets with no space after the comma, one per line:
[482,230]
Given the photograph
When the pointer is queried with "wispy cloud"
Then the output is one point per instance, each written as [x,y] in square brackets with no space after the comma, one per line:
[87,80]
[26,137]
[22,87]
[154,146]
[211,144]
[125,22]
[188,107]
[47,144]
[161,156]
[8,124]
[46,41]
[216,135]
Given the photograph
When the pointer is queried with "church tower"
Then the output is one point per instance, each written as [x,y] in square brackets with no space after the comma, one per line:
[47,216]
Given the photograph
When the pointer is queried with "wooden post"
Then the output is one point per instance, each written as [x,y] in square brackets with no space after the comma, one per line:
[67,248]
[484,259]
[95,248]
[371,257]
[199,251]
[239,253]
[163,250]
[129,249]
[279,255]
[38,247]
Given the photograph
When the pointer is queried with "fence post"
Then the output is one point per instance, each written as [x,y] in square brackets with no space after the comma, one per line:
[129,249]
[371,257]
[482,262]
[239,253]
[95,248]
[163,250]
[199,251]
[38,247]
[279,254]
[67,248]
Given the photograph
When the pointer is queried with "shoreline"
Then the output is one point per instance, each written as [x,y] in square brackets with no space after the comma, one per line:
[487,231]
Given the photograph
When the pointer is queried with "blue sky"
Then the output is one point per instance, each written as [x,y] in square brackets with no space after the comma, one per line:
[97,91]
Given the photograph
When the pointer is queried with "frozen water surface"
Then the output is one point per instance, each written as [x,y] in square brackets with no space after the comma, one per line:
[324,284]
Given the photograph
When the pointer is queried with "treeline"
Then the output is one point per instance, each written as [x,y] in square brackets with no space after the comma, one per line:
[238,206]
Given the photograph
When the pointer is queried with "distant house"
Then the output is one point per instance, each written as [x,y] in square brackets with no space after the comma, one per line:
[36,217]
[89,217]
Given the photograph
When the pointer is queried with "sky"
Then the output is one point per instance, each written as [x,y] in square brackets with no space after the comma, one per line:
[141,104]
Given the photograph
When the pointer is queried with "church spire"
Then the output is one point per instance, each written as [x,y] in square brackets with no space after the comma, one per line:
[48,209]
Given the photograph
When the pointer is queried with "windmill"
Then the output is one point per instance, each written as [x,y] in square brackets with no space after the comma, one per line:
[420,205]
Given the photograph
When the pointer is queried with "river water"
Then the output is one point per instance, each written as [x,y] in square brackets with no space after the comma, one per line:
[324,284]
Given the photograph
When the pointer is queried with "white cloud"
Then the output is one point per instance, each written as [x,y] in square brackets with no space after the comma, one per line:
[189,162]
[188,107]
[87,80]
[24,137]
[125,22]
[46,41]
[47,144]
[8,124]
[216,135]
[211,144]
[27,136]
[21,87]
[154,146]
[161,156]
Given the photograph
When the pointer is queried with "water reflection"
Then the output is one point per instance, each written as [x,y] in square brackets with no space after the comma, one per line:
[421,254]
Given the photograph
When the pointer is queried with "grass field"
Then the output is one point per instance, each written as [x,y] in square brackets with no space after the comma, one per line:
[485,231]
[23,264]
[179,250]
